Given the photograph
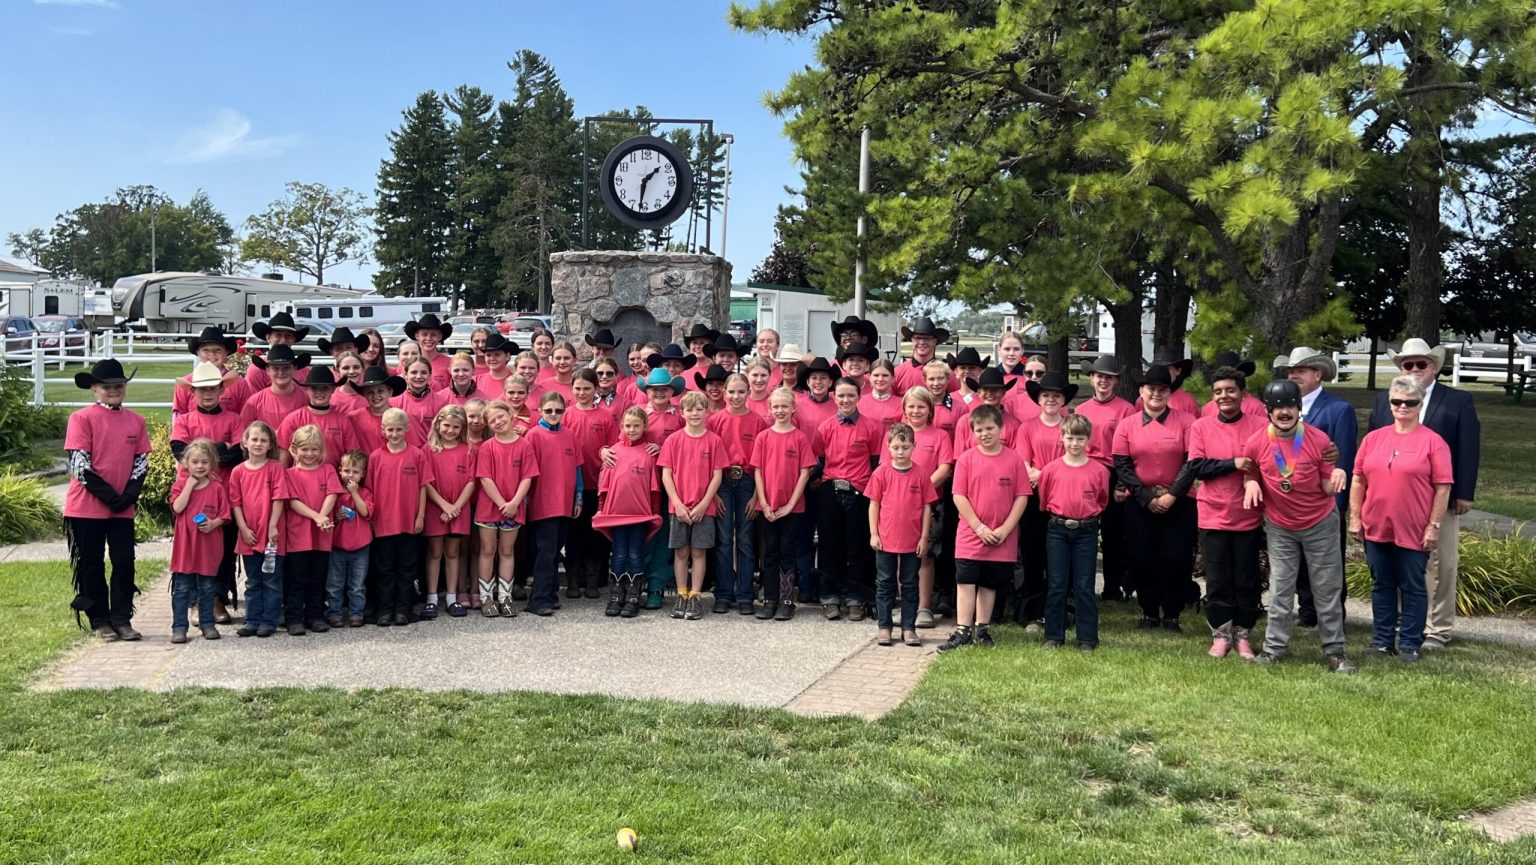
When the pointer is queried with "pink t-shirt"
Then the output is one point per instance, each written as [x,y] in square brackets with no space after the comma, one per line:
[232,398]
[1306,504]
[192,551]
[310,487]
[1157,447]
[809,414]
[1251,405]
[554,493]
[625,491]
[594,430]
[1221,498]
[258,380]
[504,464]
[453,469]
[738,432]
[397,480]
[460,399]
[1074,492]
[271,407]
[221,428]
[1020,405]
[846,449]
[991,483]
[253,491]
[368,432]
[1105,416]
[887,412]
[113,439]
[335,426]
[760,408]
[932,448]
[1180,400]
[909,374]
[1401,471]
[491,386]
[1040,444]
[441,364]
[422,409]
[693,461]
[356,533]
[965,439]
[347,401]
[778,458]
[903,496]
[660,425]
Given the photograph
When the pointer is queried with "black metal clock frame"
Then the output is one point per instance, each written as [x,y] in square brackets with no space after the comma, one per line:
[668,213]
[706,126]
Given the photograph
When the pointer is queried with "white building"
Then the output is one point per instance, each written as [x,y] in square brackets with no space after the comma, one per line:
[804,316]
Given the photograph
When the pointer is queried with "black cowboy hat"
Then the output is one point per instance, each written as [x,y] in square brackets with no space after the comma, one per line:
[108,371]
[1105,364]
[1158,374]
[281,354]
[716,372]
[864,327]
[702,331]
[991,377]
[212,336]
[968,357]
[428,322]
[815,364]
[924,327]
[280,321]
[497,342]
[376,375]
[1230,358]
[321,376]
[341,336]
[1052,380]
[723,341]
[671,351]
[604,338]
[1170,356]
[858,348]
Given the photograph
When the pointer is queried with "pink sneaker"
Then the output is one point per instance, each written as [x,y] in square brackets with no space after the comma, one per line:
[1220,647]
[1244,649]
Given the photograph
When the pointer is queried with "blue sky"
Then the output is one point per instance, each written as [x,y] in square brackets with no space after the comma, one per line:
[238,98]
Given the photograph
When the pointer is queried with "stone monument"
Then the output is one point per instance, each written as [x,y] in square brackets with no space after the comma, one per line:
[641,296]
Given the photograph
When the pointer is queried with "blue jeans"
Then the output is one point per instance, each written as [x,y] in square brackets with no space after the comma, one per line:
[263,592]
[1070,555]
[891,569]
[1397,573]
[182,588]
[345,582]
[735,558]
[629,549]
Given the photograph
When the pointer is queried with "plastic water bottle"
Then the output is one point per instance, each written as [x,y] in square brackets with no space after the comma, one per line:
[269,561]
[347,513]
[200,519]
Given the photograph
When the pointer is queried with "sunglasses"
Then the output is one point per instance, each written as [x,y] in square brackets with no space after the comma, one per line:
[1405,403]
[1034,373]
[603,374]
[1415,365]
[554,411]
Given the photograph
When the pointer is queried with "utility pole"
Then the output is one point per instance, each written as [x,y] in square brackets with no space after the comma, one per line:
[154,208]
[858,263]
[725,202]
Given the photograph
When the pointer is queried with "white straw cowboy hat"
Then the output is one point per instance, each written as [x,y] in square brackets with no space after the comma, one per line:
[206,375]
[1415,347]
[1310,357]
[790,353]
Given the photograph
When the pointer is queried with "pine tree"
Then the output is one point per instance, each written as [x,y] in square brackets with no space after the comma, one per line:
[413,216]
[475,191]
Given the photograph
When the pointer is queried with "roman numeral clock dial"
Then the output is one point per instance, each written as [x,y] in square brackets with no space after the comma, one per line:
[646,182]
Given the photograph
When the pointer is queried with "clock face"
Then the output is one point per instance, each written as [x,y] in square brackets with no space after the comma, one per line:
[645,181]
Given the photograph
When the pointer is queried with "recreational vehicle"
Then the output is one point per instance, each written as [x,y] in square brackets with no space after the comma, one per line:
[188,302]
[44,297]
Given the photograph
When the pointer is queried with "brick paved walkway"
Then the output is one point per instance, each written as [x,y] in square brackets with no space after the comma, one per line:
[1510,823]
[873,681]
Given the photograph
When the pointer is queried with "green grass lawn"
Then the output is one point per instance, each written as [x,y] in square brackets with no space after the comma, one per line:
[1144,752]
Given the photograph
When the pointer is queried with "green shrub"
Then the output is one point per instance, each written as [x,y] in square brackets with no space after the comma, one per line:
[15,416]
[27,512]
[154,502]
[1497,573]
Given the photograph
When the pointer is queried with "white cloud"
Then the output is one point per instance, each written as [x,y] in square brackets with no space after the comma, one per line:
[104,4]
[227,135]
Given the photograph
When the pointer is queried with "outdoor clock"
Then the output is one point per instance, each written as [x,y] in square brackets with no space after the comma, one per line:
[646,182]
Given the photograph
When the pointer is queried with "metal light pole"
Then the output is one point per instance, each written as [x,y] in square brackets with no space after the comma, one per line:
[725,206]
[154,208]
[858,263]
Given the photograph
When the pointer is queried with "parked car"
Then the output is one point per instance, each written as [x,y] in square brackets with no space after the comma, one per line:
[527,324]
[744,330]
[1489,345]
[66,334]
[19,331]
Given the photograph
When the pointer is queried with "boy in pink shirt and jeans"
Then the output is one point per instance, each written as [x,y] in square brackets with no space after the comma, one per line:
[899,523]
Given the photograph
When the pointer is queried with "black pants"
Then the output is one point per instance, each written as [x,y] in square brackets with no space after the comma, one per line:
[1165,548]
[1232,591]
[545,538]
[225,585]
[944,562]
[304,586]
[1306,610]
[1112,547]
[1029,600]
[589,548]
[847,562]
[90,542]
[396,555]
[779,539]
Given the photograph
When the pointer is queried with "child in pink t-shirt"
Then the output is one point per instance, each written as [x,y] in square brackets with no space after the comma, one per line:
[258,490]
[991,488]
[346,581]
[628,511]
[313,488]
[900,521]
[692,463]
[401,474]
[1074,491]
[448,497]
[201,508]
[555,501]
[505,469]
[782,459]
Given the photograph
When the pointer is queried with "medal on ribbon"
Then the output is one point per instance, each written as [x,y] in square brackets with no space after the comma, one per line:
[1286,466]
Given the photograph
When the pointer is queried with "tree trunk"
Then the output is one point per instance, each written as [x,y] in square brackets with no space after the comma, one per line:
[1375,349]
[1056,354]
[1421,287]
[1127,319]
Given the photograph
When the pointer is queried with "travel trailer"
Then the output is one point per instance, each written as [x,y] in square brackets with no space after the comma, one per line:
[188,302]
[44,297]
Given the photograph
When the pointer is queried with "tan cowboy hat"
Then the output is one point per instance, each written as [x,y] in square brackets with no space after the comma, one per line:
[206,375]
[1415,347]
[1311,357]
[790,353]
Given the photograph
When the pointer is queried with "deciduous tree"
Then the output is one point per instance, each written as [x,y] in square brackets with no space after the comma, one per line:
[309,229]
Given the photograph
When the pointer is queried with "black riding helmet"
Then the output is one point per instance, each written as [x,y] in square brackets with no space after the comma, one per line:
[1280,393]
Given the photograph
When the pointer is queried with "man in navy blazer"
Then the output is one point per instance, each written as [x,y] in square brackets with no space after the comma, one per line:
[1453,415]
[1309,369]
